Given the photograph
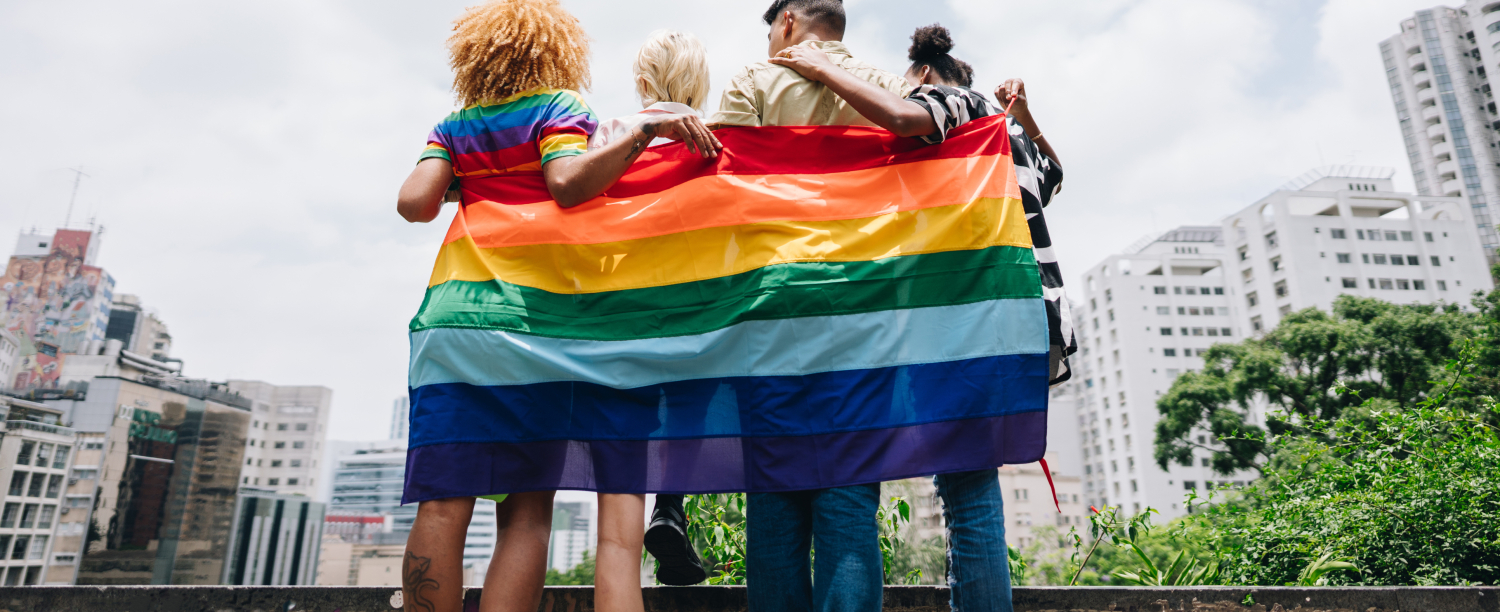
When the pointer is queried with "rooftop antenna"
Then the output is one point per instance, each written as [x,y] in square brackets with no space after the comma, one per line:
[77,180]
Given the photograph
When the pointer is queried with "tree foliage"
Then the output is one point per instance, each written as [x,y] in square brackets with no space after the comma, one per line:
[1386,352]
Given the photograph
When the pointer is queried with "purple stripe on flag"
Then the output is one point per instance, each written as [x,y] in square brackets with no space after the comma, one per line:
[516,136]
[715,465]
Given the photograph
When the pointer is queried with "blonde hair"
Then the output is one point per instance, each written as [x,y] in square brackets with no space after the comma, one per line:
[672,67]
[507,47]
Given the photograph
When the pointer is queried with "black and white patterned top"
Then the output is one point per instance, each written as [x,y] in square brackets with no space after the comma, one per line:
[1040,178]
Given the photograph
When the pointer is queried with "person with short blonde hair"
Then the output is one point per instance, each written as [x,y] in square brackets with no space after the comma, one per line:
[671,76]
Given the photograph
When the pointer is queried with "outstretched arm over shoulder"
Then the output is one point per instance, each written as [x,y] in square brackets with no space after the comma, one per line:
[883,108]
[570,180]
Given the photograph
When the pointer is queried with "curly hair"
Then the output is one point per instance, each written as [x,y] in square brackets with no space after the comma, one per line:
[930,46]
[507,47]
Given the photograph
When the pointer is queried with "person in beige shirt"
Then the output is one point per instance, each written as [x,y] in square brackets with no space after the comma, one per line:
[782,528]
[764,94]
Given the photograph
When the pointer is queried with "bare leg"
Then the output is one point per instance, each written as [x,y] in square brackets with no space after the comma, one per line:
[523,525]
[432,574]
[617,578]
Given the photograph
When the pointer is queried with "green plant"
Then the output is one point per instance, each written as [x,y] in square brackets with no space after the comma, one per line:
[716,525]
[892,518]
[1407,495]
[580,575]
[1017,561]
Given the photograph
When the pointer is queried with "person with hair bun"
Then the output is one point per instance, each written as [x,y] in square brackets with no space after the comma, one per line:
[518,66]
[973,507]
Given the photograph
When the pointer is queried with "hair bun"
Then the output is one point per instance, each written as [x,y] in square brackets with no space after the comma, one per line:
[929,42]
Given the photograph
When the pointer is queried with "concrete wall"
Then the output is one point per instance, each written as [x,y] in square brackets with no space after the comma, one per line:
[706,599]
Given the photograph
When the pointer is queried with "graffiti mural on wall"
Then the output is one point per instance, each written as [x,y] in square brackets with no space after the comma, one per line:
[55,305]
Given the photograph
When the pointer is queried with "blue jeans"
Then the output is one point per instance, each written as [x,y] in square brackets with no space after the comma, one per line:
[781,531]
[978,567]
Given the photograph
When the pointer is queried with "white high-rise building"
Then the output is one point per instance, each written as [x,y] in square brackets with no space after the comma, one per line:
[1437,71]
[287,430]
[401,418]
[1149,314]
[1343,230]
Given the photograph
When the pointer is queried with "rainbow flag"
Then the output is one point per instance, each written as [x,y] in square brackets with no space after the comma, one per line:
[818,307]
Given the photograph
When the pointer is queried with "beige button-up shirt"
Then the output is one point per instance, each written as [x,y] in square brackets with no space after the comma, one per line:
[765,94]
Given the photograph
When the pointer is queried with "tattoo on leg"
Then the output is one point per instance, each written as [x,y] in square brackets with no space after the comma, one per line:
[416,581]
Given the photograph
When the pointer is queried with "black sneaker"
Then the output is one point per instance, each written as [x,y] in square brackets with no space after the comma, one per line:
[667,540]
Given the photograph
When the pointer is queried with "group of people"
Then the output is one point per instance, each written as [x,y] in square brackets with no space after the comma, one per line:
[528,59]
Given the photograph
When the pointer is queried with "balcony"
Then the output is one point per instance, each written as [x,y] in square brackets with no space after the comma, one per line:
[1434,131]
[726,599]
[1426,93]
[1442,149]
[42,427]
[1453,188]
[1447,169]
[1431,112]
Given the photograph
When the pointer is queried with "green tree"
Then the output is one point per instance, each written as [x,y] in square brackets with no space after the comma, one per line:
[580,575]
[1383,495]
[1384,351]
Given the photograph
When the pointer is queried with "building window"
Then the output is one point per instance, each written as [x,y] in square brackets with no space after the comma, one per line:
[1163,310]
[1397,260]
[1413,260]
[1403,284]
[1385,283]
[1189,485]
[1406,237]
[1271,240]
[1442,285]
[1166,331]
[1159,290]
[1419,285]
[1252,299]
[1213,331]
[1427,235]
[303,426]
[281,426]
[1351,283]
[17,483]
[1218,291]
[19,550]
[299,444]
[27,449]
[1390,236]
[1343,257]
[37,482]
[44,520]
[1437,262]
[1379,259]
[1109,295]
[1360,234]
[1197,331]
[1171,352]
[1225,332]
[1337,234]
[280,445]
[296,463]
[1244,253]
[1365,257]
[1255,324]
[1275,264]
[54,485]
[1281,289]
[1096,323]
[1111,314]
[291,482]
[273,481]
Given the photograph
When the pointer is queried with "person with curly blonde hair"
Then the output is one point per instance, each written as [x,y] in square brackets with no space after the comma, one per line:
[518,66]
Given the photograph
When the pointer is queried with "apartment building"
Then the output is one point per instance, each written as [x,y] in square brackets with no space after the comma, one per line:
[273,539]
[35,456]
[10,353]
[288,429]
[1345,230]
[1437,70]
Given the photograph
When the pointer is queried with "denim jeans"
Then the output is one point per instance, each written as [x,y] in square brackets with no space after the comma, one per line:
[783,528]
[978,566]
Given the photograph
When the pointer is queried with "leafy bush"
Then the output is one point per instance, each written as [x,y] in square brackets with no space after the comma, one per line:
[1382,495]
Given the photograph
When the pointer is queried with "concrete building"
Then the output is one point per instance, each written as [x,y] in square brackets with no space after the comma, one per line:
[10,353]
[1027,497]
[1343,230]
[287,432]
[572,534]
[401,418]
[139,329]
[35,455]
[274,539]
[164,459]
[1437,71]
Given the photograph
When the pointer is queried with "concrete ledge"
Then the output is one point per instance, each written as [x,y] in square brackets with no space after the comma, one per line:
[731,599]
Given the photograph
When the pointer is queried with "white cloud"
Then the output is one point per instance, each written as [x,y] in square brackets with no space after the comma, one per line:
[245,156]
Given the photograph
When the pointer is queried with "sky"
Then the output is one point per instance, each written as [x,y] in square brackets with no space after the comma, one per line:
[244,157]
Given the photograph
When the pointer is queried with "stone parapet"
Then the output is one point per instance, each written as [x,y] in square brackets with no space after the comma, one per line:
[732,599]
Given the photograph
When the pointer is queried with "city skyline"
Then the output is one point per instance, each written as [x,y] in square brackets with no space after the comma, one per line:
[299,245]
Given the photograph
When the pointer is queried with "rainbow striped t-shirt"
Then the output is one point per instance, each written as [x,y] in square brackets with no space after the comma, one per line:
[517,134]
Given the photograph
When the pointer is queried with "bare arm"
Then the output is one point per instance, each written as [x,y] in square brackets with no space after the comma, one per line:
[570,180]
[421,197]
[1016,88]
[883,108]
